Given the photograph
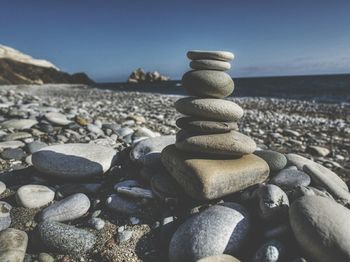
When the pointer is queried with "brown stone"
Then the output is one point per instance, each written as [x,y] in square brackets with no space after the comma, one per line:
[205,178]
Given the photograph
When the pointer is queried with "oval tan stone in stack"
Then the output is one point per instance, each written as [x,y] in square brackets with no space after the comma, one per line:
[210,158]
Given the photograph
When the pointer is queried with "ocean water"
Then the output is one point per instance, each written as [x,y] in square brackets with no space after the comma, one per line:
[320,88]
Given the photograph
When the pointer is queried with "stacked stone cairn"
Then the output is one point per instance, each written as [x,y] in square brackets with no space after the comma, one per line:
[210,158]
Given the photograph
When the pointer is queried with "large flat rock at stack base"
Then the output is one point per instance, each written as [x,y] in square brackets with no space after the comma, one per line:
[208,83]
[206,54]
[202,126]
[72,161]
[322,228]
[205,178]
[210,109]
[210,65]
[232,143]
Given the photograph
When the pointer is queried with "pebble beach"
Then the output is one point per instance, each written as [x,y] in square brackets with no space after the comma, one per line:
[81,178]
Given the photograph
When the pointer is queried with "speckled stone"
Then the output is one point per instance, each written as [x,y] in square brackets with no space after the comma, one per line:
[271,251]
[65,239]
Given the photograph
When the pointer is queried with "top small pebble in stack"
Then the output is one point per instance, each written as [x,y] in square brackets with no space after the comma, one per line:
[210,158]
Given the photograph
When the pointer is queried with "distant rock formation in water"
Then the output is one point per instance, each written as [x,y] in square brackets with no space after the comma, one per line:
[140,76]
[19,68]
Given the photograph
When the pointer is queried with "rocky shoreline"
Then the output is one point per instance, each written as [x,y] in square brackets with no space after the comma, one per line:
[137,230]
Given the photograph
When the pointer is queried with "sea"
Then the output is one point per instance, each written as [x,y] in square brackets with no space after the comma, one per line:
[318,88]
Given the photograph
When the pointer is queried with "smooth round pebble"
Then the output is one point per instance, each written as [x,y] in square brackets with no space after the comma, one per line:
[273,202]
[208,83]
[35,146]
[2,187]
[44,257]
[147,152]
[5,217]
[96,223]
[34,196]
[57,118]
[67,209]
[13,245]
[271,251]
[330,181]
[73,161]
[124,236]
[290,178]
[19,124]
[213,55]
[219,258]
[210,109]
[11,144]
[232,143]
[322,228]
[17,136]
[200,126]
[122,204]
[275,160]
[218,229]
[206,64]
[13,153]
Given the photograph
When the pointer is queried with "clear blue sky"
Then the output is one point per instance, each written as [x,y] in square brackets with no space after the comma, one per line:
[108,39]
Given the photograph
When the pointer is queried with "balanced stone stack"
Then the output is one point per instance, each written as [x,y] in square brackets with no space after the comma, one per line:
[210,158]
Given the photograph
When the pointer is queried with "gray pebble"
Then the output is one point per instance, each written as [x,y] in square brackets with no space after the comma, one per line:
[290,178]
[122,204]
[273,202]
[124,236]
[67,209]
[96,223]
[5,218]
[275,160]
[271,251]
